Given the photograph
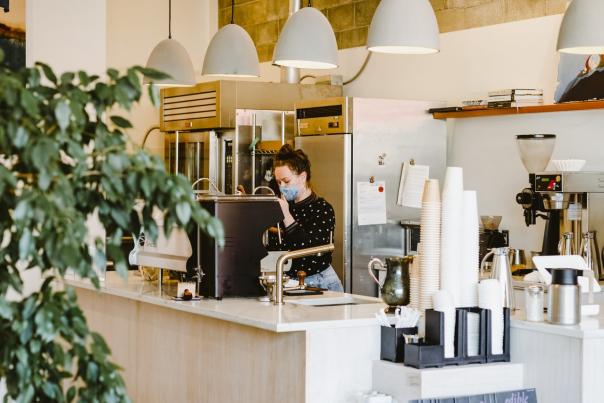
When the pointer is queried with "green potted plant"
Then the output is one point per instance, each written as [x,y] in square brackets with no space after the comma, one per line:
[63,159]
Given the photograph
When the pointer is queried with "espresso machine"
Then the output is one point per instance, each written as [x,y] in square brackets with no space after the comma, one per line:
[572,203]
[232,270]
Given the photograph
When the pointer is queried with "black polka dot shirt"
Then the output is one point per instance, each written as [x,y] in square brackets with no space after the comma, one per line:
[314,222]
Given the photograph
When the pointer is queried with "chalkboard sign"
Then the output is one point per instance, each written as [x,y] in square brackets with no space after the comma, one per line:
[513,396]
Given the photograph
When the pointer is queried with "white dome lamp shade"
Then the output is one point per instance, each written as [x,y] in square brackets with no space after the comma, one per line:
[582,29]
[307,42]
[231,53]
[170,57]
[404,27]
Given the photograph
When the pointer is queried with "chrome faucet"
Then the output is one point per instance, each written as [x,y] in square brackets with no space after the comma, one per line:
[315,250]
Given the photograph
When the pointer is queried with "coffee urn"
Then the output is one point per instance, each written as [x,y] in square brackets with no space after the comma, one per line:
[564,297]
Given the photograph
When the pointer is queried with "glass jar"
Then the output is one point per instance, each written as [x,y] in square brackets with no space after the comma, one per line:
[533,302]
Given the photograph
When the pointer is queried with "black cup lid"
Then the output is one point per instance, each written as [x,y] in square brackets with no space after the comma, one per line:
[565,276]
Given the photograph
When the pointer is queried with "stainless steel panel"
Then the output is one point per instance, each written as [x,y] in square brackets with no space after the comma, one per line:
[388,133]
[330,158]
[230,95]
[324,116]
[585,182]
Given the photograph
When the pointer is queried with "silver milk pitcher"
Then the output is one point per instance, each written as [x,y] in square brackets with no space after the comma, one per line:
[566,245]
[590,252]
[502,271]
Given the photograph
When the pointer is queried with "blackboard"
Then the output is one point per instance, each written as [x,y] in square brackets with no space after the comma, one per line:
[513,396]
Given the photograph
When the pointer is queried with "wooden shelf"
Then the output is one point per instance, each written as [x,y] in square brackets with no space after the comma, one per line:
[474,113]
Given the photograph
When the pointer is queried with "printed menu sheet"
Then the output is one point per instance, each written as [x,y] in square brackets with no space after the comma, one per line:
[371,203]
[411,187]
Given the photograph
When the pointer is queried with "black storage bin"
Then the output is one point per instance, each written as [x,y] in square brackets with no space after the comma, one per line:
[422,355]
[393,342]
[435,333]
[505,357]
[481,358]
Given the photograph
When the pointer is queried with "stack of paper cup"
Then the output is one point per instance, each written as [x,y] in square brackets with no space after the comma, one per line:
[443,302]
[469,250]
[430,240]
[451,219]
[489,297]
[414,280]
[473,332]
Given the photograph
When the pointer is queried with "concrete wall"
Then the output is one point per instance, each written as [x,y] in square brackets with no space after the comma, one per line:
[350,19]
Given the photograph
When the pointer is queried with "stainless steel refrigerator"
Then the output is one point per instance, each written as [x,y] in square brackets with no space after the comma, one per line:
[352,141]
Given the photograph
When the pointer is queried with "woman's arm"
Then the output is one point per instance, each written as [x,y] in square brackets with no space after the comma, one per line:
[318,230]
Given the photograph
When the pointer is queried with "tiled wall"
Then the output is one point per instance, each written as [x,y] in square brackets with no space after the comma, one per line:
[350,19]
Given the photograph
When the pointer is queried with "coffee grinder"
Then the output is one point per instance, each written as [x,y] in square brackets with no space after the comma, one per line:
[570,202]
[535,152]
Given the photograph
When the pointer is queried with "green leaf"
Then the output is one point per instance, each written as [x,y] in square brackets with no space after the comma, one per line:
[152,73]
[121,122]
[29,103]
[21,137]
[44,180]
[50,75]
[154,94]
[84,78]
[113,74]
[6,311]
[183,211]
[25,244]
[67,77]
[62,114]
[21,210]
[71,394]
[42,152]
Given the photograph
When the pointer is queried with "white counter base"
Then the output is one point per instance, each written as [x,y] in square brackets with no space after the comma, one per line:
[406,383]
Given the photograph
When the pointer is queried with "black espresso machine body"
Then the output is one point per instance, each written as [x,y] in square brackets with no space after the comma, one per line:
[233,270]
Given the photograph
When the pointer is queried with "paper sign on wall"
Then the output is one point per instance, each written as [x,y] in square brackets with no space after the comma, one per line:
[371,203]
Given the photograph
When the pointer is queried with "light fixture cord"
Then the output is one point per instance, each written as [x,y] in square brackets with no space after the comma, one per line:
[232,11]
[309,3]
[169,19]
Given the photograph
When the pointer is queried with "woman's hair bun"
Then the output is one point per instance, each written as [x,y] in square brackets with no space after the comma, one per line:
[296,160]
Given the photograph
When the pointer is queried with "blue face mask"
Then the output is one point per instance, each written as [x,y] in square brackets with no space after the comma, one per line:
[290,192]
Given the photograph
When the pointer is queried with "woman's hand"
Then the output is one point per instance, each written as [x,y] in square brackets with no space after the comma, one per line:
[288,218]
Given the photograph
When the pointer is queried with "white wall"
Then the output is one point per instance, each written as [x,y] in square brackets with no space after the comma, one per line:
[66,34]
[134,27]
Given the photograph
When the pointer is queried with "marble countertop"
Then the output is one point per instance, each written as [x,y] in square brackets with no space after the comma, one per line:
[590,326]
[288,317]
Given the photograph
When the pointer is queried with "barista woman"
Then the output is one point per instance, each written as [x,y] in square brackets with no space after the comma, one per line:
[309,220]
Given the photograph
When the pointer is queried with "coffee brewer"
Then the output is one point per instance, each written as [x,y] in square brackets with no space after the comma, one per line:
[570,202]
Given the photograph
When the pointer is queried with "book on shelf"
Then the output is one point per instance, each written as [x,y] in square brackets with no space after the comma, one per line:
[515,97]
[516,91]
[513,104]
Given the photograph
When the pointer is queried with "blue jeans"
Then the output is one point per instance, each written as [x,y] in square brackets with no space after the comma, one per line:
[328,279]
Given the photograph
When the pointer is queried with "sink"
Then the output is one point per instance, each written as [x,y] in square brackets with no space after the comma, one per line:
[333,301]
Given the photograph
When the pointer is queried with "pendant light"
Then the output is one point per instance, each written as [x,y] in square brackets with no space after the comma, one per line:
[172,58]
[582,30]
[231,52]
[307,41]
[404,27]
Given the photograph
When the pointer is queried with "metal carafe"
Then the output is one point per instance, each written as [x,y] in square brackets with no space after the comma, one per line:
[566,244]
[395,291]
[502,271]
[590,252]
[564,297]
